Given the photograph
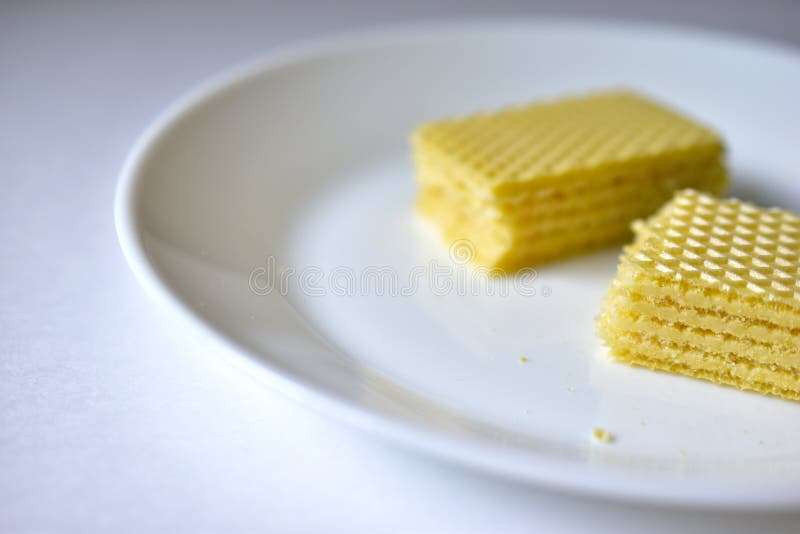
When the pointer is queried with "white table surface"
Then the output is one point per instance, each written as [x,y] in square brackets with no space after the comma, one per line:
[112,417]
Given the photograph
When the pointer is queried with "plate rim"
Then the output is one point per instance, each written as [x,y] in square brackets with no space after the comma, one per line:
[605,484]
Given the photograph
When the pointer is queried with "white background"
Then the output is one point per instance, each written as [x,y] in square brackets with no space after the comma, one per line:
[112,418]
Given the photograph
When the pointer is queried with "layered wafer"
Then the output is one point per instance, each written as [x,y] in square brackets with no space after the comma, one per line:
[711,289]
[534,183]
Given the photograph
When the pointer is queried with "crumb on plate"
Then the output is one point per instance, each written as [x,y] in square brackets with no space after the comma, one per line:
[602,435]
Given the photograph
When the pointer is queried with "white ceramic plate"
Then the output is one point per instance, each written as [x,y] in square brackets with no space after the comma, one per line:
[298,166]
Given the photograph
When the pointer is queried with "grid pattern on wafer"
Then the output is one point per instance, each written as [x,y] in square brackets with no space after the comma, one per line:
[727,245]
[523,143]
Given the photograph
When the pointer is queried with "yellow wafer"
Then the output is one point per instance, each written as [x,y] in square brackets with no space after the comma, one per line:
[711,289]
[538,182]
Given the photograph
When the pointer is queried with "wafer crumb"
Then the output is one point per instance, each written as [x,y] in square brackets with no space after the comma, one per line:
[523,359]
[602,435]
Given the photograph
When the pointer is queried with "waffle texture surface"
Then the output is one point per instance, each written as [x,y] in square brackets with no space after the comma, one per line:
[710,288]
[537,182]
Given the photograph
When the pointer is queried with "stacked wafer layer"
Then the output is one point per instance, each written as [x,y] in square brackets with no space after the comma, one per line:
[534,183]
[711,289]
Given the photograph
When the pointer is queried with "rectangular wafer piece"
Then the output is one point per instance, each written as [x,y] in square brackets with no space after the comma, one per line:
[534,183]
[711,289]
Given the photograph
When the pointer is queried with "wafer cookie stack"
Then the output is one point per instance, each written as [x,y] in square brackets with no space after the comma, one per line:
[711,289]
[538,182]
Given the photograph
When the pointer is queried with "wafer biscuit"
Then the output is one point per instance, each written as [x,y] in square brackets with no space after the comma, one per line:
[711,289]
[534,183]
